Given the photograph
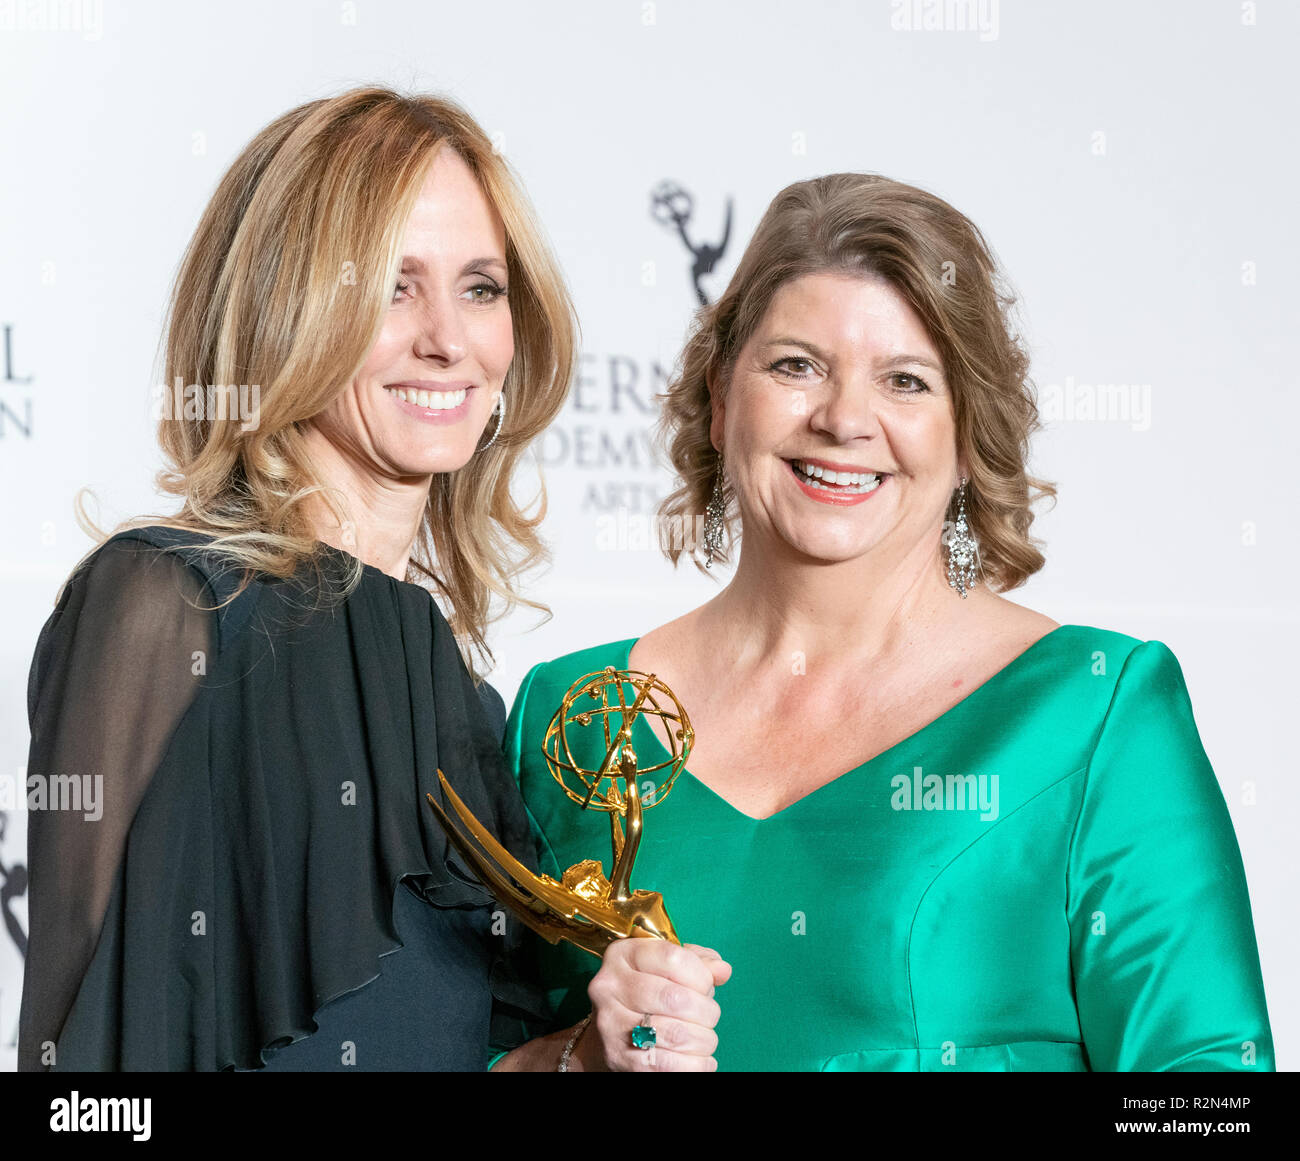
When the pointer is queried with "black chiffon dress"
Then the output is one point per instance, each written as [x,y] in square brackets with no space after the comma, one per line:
[258,882]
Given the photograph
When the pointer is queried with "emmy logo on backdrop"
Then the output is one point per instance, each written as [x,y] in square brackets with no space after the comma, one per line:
[13,885]
[673,206]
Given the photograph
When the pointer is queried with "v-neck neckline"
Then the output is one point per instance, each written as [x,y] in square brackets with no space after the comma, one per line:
[663,754]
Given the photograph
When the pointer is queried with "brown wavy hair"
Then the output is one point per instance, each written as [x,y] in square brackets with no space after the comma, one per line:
[937,259]
[286,284]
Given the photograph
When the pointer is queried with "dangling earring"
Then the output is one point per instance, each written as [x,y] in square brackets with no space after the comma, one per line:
[714,519]
[500,412]
[963,548]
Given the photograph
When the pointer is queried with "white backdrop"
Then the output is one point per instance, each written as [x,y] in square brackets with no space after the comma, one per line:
[1132,163]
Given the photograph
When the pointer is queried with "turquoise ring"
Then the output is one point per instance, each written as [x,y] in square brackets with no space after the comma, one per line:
[643,1035]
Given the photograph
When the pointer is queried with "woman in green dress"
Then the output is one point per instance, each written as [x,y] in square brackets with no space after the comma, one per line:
[928,829]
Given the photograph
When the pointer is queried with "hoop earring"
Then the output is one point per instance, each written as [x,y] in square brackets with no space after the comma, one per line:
[499,410]
[963,548]
[714,519]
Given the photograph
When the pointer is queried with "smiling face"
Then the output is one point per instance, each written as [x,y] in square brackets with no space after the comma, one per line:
[426,392]
[837,427]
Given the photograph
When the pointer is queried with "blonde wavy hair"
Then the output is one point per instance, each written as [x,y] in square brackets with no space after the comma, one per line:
[286,284]
[937,259]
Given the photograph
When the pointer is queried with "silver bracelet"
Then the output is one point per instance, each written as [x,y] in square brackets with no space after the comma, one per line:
[568,1048]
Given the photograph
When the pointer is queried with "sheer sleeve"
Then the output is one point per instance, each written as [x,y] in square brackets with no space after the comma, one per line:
[116,667]
[1166,968]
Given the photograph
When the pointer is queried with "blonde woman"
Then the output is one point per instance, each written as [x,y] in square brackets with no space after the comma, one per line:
[931,829]
[256,686]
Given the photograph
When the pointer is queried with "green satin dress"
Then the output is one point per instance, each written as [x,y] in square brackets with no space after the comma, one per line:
[1044,878]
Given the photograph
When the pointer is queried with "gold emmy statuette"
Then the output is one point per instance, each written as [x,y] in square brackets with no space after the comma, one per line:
[584,907]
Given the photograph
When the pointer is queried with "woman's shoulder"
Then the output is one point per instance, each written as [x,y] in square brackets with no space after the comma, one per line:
[1097,664]
[1093,681]
[128,612]
[154,574]
[1101,651]
[1072,639]
[145,548]
[132,566]
[1013,630]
